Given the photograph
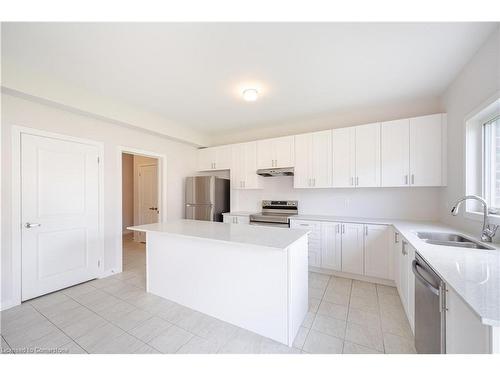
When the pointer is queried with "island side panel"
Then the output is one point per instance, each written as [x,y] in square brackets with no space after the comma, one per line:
[241,284]
[298,275]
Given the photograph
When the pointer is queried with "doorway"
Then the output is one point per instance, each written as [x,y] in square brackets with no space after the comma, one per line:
[140,205]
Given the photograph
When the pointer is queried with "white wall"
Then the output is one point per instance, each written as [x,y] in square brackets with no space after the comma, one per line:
[391,110]
[181,162]
[477,82]
[402,203]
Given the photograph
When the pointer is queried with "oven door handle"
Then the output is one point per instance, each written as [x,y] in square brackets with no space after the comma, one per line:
[427,284]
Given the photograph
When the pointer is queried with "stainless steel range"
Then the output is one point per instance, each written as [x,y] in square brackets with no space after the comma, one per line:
[275,213]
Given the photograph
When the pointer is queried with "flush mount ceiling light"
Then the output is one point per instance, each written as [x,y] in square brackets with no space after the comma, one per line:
[250,95]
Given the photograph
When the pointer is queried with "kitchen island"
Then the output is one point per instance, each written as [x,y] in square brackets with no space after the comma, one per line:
[250,276]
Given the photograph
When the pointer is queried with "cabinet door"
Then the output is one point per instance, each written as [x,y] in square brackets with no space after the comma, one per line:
[396,253]
[352,248]
[265,154]
[331,246]
[206,159]
[222,157]
[368,155]
[425,151]
[251,180]
[314,239]
[237,172]
[395,153]
[378,251]
[343,146]
[302,178]
[284,152]
[321,159]
[404,274]
[411,288]
[465,333]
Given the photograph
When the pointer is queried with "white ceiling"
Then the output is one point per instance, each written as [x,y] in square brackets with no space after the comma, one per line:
[193,74]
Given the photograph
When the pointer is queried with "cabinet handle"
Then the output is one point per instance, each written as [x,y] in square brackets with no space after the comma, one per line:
[412,179]
[406,179]
[366,230]
[214,165]
[343,228]
[337,229]
[314,182]
[357,180]
[352,181]
[396,237]
[403,248]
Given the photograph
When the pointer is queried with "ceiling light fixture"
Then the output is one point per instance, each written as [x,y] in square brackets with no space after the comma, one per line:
[250,95]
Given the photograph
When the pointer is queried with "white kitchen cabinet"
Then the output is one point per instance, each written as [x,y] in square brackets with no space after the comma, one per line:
[378,252]
[343,157]
[352,248]
[396,251]
[465,333]
[244,166]
[214,158]
[276,152]
[426,148]
[395,153]
[229,218]
[407,281]
[331,246]
[313,160]
[367,151]
[314,239]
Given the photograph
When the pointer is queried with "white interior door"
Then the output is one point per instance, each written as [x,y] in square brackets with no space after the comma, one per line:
[148,197]
[60,214]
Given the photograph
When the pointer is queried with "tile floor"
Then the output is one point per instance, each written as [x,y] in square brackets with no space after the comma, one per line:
[116,315]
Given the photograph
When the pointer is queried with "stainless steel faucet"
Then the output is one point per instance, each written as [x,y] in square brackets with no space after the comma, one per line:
[489,230]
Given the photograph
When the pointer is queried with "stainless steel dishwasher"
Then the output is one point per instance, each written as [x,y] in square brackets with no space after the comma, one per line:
[430,309]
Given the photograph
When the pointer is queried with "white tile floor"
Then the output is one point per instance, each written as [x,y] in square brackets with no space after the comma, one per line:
[116,315]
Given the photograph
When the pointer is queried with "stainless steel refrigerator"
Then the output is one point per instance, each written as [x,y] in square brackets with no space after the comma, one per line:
[207,197]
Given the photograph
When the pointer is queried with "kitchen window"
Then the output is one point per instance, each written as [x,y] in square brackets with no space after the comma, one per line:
[491,164]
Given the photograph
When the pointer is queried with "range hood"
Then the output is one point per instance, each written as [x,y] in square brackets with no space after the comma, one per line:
[275,172]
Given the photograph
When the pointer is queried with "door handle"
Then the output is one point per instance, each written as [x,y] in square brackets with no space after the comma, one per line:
[423,280]
[32,225]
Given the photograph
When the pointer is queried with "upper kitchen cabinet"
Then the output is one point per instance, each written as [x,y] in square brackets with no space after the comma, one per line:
[356,156]
[395,153]
[276,153]
[244,166]
[313,160]
[413,152]
[426,150]
[367,155]
[214,158]
[344,157]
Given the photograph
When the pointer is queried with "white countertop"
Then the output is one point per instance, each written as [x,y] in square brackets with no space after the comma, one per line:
[276,238]
[474,274]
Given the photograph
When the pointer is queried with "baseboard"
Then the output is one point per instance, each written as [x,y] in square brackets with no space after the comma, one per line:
[127,232]
[353,276]
[110,272]
[7,305]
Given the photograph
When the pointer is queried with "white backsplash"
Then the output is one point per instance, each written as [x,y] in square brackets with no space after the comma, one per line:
[404,203]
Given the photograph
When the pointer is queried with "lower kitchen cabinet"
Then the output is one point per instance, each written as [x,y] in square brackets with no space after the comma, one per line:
[314,239]
[236,219]
[331,246]
[465,333]
[378,254]
[360,249]
[352,248]
[406,280]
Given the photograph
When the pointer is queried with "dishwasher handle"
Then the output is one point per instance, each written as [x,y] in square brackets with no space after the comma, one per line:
[427,284]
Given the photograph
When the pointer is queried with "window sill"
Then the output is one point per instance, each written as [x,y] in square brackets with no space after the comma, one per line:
[478,216]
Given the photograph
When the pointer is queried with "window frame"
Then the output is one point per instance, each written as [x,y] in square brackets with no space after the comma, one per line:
[488,150]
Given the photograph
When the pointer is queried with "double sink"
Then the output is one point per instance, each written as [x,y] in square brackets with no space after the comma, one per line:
[451,239]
